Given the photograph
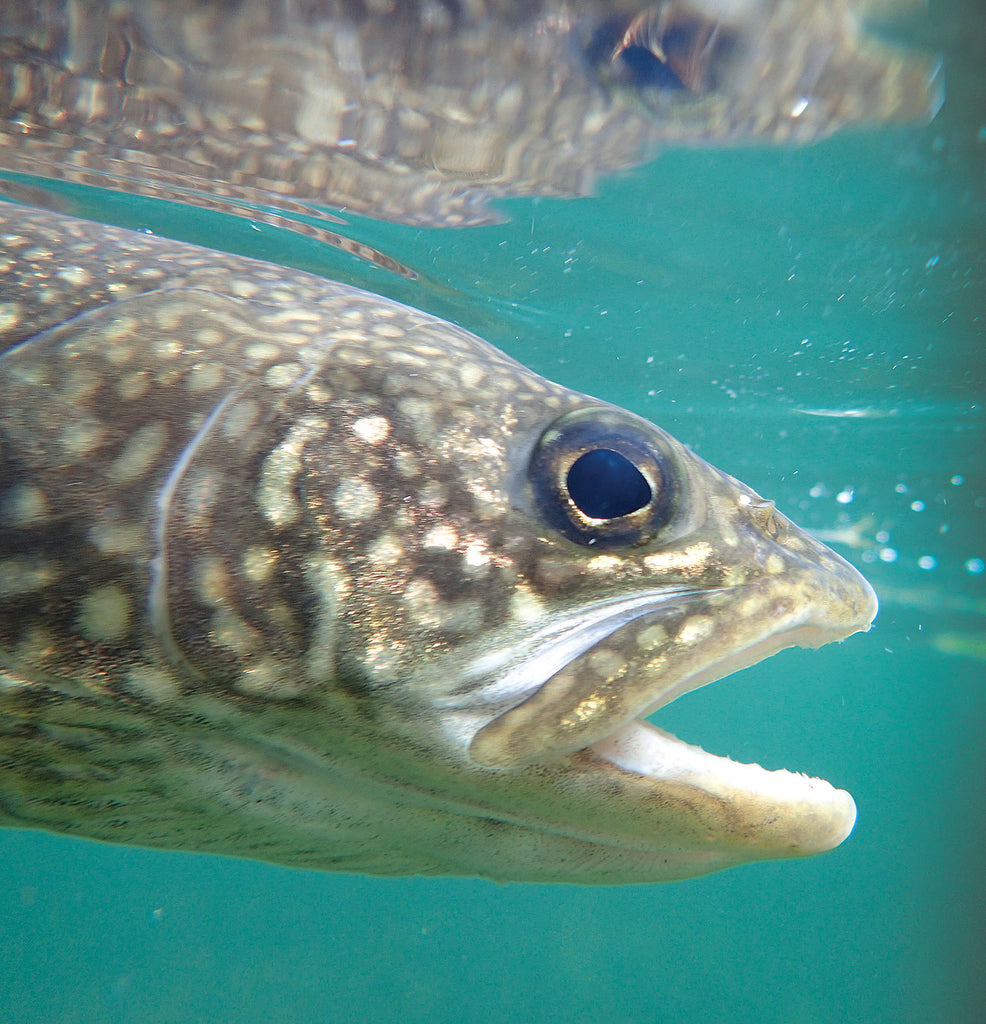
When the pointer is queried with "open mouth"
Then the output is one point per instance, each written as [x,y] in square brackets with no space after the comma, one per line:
[576,713]
[825,815]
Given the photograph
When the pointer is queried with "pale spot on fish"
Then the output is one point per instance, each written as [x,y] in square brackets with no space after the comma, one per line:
[471,375]
[81,438]
[606,663]
[104,614]
[696,629]
[139,454]
[318,394]
[442,536]
[751,607]
[276,491]
[149,684]
[122,329]
[477,554]
[386,551]
[775,565]
[330,584]
[405,464]
[282,375]
[371,429]
[133,385]
[269,678]
[23,505]
[10,315]
[423,603]
[77,386]
[433,495]
[212,581]
[695,558]
[208,337]
[586,709]
[382,662]
[356,500]
[526,607]
[258,564]
[243,288]
[421,412]
[168,348]
[118,355]
[651,637]
[78,277]
[117,538]
[231,631]
[205,377]
[262,351]
[37,644]
[25,575]
[603,564]
[239,419]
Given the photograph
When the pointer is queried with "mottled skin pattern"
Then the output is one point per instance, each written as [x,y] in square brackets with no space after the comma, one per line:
[293,572]
[421,111]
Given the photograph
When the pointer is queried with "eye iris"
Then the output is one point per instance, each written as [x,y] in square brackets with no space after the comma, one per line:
[606,485]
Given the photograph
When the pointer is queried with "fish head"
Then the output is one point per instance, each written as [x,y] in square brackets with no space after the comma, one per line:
[508,578]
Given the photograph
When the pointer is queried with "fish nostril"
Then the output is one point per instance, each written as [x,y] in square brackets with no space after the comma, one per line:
[765,516]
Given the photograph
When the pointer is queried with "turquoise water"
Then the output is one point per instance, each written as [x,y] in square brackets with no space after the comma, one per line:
[810,320]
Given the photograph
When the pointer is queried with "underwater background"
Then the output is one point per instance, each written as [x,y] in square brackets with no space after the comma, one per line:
[810,320]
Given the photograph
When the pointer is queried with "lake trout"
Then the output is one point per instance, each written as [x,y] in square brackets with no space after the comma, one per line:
[421,111]
[290,571]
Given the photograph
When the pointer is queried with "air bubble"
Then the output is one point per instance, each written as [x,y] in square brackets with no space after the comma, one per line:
[927,562]
[975,566]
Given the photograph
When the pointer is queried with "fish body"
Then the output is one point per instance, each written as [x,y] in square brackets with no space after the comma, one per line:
[293,572]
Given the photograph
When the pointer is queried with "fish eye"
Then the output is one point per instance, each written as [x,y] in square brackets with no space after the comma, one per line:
[662,49]
[604,484]
[603,479]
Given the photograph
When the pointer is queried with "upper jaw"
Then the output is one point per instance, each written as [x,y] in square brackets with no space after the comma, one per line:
[641,659]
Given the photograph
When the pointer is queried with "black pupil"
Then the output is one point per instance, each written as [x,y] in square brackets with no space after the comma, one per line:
[606,485]
[646,69]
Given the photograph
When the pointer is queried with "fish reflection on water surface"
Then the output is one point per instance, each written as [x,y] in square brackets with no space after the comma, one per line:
[290,571]
[420,112]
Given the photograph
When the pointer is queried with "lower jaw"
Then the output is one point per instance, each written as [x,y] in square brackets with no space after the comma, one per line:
[785,813]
